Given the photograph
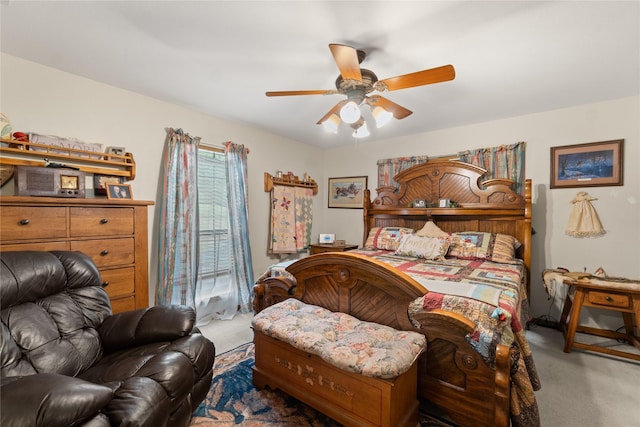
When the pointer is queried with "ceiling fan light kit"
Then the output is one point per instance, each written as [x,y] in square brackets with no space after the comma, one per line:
[356,83]
[350,112]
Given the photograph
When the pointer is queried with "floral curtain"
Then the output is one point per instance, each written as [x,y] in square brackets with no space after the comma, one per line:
[504,161]
[388,168]
[178,244]
[241,267]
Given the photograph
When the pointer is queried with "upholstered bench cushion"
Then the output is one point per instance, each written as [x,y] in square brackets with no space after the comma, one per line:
[341,340]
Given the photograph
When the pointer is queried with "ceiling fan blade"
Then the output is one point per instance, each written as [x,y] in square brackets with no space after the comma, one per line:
[398,111]
[301,92]
[346,58]
[335,110]
[420,78]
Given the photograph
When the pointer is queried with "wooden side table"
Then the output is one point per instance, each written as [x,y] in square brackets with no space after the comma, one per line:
[617,296]
[318,248]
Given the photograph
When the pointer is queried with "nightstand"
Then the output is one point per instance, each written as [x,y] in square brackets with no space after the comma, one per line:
[318,248]
[623,297]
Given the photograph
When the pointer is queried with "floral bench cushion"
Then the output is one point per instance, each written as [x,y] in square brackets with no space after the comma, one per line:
[341,340]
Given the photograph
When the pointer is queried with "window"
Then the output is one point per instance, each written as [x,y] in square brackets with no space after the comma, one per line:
[214,224]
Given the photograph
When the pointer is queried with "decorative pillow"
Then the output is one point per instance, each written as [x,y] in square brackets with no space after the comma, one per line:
[485,246]
[386,238]
[423,247]
[430,229]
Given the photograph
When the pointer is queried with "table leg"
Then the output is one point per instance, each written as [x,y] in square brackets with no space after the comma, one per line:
[574,316]
[566,309]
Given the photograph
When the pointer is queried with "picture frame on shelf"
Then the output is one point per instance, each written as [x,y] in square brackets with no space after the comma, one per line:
[119,191]
[594,164]
[118,151]
[100,181]
[347,192]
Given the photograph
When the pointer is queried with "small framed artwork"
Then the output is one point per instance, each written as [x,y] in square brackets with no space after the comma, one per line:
[443,203]
[594,164]
[347,192]
[100,181]
[119,191]
[419,203]
[119,151]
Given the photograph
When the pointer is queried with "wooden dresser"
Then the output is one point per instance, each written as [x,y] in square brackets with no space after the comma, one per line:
[114,233]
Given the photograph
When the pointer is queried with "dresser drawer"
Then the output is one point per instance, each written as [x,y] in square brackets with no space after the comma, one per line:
[119,282]
[107,252]
[40,246]
[118,305]
[100,222]
[27,222]
[609,299]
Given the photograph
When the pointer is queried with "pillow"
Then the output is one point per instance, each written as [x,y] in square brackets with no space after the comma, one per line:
[423,247]
[484,246]
[386,238]
[430,229]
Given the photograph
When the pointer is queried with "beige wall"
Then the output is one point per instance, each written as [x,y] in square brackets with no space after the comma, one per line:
[618,207]
[45,100]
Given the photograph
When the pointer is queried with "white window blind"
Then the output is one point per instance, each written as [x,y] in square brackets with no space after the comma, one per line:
[214,220]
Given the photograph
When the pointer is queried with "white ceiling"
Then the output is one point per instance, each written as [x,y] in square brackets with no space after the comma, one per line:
[219,57]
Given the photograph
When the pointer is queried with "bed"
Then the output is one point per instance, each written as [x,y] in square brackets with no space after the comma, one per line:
[478,369]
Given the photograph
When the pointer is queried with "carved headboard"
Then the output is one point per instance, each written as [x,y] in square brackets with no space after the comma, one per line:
[490,206]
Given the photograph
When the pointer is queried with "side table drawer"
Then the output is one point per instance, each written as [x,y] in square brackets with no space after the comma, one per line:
[100,222]
[27,222]
[609,299]
[107,252]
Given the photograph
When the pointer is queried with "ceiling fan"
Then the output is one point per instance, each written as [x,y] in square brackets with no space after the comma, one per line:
[357,83]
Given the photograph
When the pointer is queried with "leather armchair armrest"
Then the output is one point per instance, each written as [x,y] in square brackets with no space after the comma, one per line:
[50,399]
[147,325]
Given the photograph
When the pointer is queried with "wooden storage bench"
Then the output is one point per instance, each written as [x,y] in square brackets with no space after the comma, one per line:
[338,364]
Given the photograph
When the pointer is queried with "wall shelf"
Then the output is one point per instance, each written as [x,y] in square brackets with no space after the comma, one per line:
[270,181]
[21,153]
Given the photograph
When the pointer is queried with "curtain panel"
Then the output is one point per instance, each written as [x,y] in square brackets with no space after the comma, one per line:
[241,267]
[178,245]
[388,168]
[504,161]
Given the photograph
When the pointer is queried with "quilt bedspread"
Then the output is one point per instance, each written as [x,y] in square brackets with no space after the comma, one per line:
[492,295]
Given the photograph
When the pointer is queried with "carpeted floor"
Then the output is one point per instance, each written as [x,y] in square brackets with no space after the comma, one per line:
[233,400]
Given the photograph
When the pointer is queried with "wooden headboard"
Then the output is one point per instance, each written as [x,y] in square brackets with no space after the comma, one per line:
[490,206]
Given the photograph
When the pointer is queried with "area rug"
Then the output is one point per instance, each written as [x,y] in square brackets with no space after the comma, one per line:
[234,401]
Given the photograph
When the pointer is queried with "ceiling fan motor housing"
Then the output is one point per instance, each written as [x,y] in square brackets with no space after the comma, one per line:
[355,89]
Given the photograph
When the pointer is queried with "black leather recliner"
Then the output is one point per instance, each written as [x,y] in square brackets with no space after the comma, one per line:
[67,361]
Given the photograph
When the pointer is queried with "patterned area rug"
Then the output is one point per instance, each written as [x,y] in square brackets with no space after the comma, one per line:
[233,400]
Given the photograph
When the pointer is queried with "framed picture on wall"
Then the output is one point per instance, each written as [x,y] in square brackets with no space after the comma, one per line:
[347,192]
[594,164]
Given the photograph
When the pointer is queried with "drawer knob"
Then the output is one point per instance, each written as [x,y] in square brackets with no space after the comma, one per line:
[104,252]
[608,298]
[104,221]
[24,221]
[105,284]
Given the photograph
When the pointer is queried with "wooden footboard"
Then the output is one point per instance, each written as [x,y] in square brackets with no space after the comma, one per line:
[452,375]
